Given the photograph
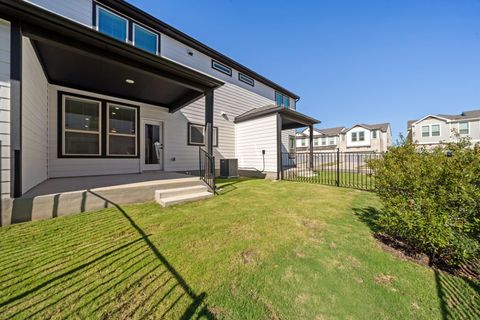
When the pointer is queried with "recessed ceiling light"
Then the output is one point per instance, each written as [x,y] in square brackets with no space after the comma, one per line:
[130,81]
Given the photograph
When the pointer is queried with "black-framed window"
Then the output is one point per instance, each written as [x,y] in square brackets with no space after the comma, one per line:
[81,126]
[246,79]
[122,130]
[221,68]
[96,128]
[282,100]
[196,135]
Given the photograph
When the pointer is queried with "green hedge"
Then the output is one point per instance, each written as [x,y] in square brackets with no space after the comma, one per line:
[431,199]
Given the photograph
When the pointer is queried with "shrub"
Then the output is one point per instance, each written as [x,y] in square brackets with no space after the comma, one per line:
[431,199]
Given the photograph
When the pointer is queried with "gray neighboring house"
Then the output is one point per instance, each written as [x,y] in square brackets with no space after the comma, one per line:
[433,130]
[359,138]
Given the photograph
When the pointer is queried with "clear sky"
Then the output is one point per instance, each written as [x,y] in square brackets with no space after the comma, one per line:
[354,61]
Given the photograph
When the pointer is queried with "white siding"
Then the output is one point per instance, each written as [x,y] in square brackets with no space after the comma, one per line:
[358,143]
[253,136]
[177,51]
[5,107]
[178,155]
[77,10]
[34,119]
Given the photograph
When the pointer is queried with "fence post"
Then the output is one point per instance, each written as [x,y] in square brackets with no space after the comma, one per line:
[338,167]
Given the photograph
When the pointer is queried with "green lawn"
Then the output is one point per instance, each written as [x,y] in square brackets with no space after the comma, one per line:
[260,250]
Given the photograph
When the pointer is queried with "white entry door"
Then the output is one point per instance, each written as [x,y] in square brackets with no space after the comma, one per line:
[152,145]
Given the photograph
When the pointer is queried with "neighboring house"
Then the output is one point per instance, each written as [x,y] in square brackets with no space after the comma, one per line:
[359,138]
[433,130]
[90,88]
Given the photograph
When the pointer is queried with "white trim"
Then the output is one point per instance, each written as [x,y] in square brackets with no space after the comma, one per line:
[161,124]
[134,24]
[97,27]
[430,116]
[121,134]
[99,132]
[468,125]
[430,131]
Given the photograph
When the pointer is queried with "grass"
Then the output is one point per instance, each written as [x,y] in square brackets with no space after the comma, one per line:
[259,250]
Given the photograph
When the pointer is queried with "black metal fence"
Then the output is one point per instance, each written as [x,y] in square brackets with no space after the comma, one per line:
[206,166]
[341,169]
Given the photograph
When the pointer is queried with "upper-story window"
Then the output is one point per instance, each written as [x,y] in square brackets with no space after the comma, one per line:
[331,140]
[145,39]
[112,24]
[361,136]
[324,141]
[463,128]
[374,134]
[282,100]
[246,79]
[354,136]
[222,68]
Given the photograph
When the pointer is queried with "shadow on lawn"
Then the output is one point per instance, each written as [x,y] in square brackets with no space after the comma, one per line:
[122,277]
[458,297]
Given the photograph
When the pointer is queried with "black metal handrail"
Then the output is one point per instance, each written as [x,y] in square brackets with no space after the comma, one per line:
[206,168]
[341,169]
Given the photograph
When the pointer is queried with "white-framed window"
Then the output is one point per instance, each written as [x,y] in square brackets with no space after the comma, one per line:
[361,136]
[331,141]
[324,141]
[435,130]
[196,135]
[316,141]
[112,24]
[425,131]
[374,134]
[354,136]
[304,142]
[122,131]
[464,127]
[81,126]
[145,39]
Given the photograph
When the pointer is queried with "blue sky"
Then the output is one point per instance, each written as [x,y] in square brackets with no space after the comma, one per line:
[350,61]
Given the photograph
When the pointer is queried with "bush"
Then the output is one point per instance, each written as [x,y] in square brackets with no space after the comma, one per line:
[431,199]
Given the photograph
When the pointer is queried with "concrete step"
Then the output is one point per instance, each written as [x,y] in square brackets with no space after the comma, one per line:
[165,193]
[169,201]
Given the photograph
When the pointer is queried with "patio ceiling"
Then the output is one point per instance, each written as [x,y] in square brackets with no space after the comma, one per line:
[77,56]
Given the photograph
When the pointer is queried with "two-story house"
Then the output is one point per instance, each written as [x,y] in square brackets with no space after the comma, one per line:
[359,138]
[433,130]
[90,88]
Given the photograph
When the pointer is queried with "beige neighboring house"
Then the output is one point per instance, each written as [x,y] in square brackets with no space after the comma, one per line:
[433,130]
[359,138]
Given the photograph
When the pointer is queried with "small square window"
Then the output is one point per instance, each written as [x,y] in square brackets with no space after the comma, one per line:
[145,39]
[112,24]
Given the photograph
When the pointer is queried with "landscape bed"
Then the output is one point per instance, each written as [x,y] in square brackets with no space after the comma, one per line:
[260,250]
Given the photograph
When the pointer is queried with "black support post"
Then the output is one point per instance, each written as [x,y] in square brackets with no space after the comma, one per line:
[16,109]
[310,129]
[209,121]
[279,147]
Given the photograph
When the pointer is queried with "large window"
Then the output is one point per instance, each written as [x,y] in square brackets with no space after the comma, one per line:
[112,24]
[93,127]
[81,126]
[463,128]
[145,39]
[196,135]
[435,130]
[122,130]
[282,100]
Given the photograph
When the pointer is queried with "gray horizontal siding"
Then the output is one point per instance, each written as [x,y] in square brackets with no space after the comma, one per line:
[5,107]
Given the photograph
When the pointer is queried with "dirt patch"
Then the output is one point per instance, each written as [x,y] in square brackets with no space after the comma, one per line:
[385,279]
[248,256]
[333,245]
[301,298]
